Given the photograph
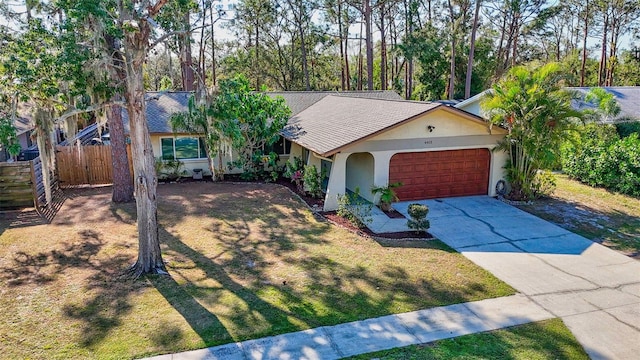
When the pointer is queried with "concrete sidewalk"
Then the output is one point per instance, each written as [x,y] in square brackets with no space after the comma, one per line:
[595,290]
[360,337]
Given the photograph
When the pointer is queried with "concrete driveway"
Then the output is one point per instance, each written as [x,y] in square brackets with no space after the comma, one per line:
[595,290]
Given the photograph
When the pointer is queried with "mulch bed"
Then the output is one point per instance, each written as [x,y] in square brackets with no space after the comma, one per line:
[335,218]
[393,214]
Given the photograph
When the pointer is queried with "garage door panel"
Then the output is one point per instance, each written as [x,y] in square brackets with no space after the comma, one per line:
[440,173]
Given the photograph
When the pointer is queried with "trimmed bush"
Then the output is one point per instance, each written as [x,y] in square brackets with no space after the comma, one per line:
[418,214]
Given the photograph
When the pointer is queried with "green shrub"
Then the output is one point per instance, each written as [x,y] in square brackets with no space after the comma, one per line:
[544,184]
[294,170]
[598,157]
[355,209]
[313,181]
[387,195]
[625,129]
[171,170]
[418,214]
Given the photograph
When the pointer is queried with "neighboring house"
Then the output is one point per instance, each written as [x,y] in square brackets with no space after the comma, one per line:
[628,97]
[23,132]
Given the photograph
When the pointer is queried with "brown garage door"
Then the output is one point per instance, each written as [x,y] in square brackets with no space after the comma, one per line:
[433,174]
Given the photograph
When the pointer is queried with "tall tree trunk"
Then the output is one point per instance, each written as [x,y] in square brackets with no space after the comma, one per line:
[202,69]
[213,50]
[146,182]
[603,52]
[516,35]
[383,49]
[186,60]
[303,47]
[46,146]
[585,35]
[452,70]
[472,50]
[369,42]
[122,190]
[360,61]
[347,72]
[343,82]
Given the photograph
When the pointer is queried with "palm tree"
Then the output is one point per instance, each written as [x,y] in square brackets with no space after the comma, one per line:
[199,119]
[532,105]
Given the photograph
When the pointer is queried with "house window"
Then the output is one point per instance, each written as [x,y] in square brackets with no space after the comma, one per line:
[182,148]
[280,147]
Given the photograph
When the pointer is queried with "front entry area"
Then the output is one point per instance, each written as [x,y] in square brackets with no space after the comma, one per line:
[434,174]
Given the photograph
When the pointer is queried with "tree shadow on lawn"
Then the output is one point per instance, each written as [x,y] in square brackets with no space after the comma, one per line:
[109,299]
[257,276]
[244,272]
[334,293]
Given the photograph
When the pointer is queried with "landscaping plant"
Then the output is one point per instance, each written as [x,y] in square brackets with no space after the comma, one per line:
[355,209]
[535,109]
[598,157]
[171,170]
[313,181]
[293,170]
[418,220]
[387,195]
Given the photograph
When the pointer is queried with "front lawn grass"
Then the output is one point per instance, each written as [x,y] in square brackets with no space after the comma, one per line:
[549,339]
[246,261]
[603,216]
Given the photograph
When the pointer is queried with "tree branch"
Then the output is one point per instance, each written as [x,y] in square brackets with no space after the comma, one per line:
[74,112]
[177,32]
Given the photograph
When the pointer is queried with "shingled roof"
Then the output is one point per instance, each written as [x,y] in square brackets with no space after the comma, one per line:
[337,121]
[161,105]
[298,101]
[628,97]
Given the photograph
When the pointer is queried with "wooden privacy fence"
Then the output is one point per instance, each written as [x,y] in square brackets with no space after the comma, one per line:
[86,165]
[16,185]
[21,185]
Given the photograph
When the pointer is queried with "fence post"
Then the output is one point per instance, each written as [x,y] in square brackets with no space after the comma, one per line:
[34,183]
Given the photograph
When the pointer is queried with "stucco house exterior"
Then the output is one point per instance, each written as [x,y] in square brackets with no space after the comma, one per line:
[362,139]
[435,150]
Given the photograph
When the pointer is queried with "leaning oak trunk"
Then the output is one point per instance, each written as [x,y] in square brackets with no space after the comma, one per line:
[145,179]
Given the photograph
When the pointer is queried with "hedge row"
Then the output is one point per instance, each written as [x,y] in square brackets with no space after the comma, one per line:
[598,156]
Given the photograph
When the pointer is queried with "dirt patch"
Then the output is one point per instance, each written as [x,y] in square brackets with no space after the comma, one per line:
[608,218]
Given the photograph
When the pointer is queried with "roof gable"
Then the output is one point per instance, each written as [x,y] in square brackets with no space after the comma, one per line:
[337,121]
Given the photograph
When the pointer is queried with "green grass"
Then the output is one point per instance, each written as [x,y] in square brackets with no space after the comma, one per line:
[606,217]
[246,261]
[548,339]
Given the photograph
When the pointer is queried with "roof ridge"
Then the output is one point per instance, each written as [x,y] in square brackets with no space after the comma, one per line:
[392,100]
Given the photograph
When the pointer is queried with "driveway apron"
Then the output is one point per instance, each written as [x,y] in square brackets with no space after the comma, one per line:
[595,290]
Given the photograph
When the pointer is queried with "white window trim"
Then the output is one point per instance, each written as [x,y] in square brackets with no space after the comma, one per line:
[173,143]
